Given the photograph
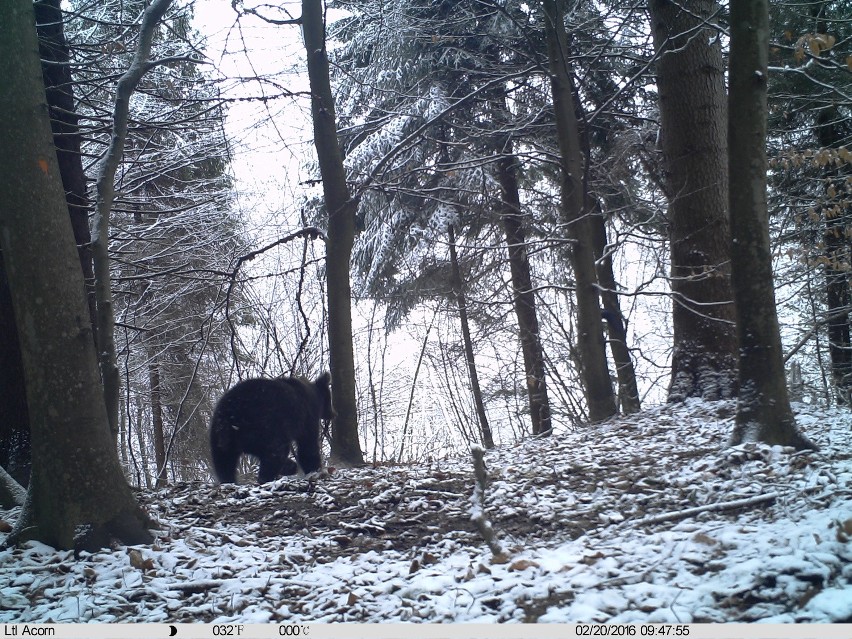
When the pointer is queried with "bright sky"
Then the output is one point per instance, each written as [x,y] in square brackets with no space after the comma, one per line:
[268,138]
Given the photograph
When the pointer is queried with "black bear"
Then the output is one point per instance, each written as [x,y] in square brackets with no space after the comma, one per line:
[264,418]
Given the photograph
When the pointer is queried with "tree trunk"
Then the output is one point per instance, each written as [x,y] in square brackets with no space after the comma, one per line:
[628,391]
[590,343]
[413,390]
[763,409]
[103,206]
[183,394]
[143,445]
[56,71]
[77,496]
[837,258]
[458,289]
[524,297]
[345,447]
[691,85]
[157,422]
[14,419]
[12,494]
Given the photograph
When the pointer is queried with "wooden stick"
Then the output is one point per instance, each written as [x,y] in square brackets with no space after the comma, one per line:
[722,505]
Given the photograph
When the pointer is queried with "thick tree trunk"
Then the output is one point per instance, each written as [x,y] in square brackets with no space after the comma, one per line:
[345,447]
[56,71]
[14,419]
[77,496]
[590,343]
[524,297]
[691,85]
[461,301]
[763,407]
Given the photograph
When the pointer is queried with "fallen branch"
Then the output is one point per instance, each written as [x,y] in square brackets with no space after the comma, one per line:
[722,505]
[477,501]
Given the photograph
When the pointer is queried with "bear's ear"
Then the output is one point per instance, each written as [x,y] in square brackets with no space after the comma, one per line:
[324,379]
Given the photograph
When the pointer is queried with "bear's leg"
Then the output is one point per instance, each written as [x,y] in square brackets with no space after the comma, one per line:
[308,453]
[288,467]
[225,464]
[273,466]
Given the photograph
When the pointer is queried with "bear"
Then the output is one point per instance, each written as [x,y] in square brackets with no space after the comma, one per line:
[264,417]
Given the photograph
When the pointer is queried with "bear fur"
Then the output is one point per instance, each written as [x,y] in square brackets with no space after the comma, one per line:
[265,418]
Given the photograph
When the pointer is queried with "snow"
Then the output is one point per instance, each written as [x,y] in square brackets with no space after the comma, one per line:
[634,520]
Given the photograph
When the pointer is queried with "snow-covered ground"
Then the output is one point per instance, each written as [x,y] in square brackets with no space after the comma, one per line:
[647,518]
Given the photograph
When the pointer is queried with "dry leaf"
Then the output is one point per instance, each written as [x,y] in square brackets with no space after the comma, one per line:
[138,561]
[701,538]
[500,558]
[522,564]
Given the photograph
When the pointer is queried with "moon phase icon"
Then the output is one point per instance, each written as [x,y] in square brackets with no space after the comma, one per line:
[172,631]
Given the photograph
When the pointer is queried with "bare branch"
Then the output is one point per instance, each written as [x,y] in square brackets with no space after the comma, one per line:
[105,196]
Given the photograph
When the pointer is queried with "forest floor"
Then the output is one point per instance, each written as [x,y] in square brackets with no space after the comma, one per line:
[645,518]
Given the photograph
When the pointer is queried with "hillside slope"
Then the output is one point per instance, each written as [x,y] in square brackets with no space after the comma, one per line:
[643,518]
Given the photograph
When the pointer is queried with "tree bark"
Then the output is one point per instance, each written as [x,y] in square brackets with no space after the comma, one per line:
[831,133]
[522,291]
[590,344]
[14,419]
[691,86]
[837,257]
[341,208]
[763,407]
[12,494]
[77,496]
[458,290]
[59,87]
[56,72]
[628,391]
[157,422]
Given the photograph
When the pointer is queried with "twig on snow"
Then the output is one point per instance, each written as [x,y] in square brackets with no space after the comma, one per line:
[722,505]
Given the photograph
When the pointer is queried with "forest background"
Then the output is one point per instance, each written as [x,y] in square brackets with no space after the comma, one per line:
[470,285]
